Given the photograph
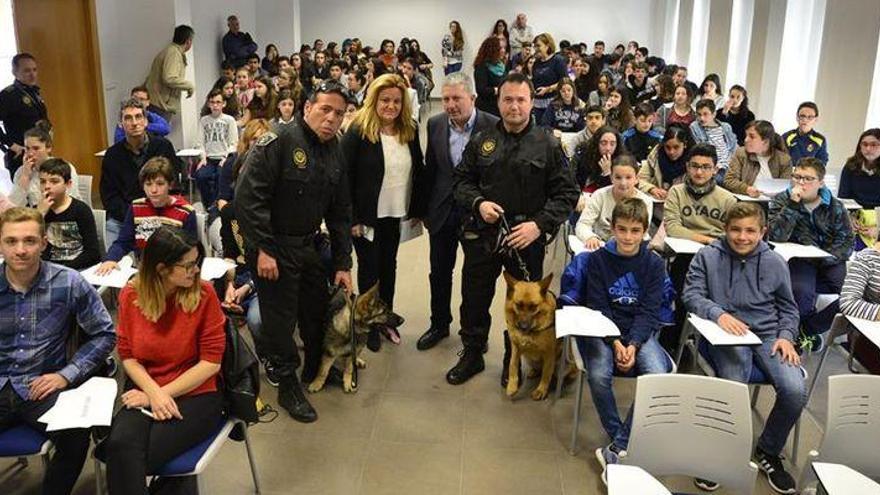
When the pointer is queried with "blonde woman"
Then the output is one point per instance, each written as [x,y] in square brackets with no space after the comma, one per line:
[385,163]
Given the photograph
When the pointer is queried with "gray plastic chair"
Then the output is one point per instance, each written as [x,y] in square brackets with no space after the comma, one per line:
[694,426]
[84,188]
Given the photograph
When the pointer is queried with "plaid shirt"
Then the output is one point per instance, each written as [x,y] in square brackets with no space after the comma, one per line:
[35,327]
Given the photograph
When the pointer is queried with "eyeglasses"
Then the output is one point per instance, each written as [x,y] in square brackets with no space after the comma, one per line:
[806,117]
[697,167]
[870,144]
[803,179]
[190,266]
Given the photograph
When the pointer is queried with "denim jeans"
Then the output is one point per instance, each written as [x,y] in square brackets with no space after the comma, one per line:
[251,306]
[812,277]
[735,363]
[599,360]
[113,229]
[449,69]
[207,179]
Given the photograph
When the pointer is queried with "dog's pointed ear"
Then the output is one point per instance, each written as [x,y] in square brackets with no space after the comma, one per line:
[371,292]
[510,279]
[545,284]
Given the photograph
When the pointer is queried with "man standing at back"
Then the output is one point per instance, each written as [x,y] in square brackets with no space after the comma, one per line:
[448,134]
[237,46]
[520,32]
[167,77]
[21,106]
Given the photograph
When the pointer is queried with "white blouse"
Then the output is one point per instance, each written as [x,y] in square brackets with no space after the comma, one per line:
[397,181]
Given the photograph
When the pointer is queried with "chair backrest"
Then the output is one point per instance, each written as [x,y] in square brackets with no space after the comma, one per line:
[852,433]
[202,227]
[831,183]
[101,226]
[84,187]
[694,426]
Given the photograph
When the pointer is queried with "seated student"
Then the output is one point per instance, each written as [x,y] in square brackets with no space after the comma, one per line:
[39,301]
[593,160]
[620,115]
[217,137]
[739,283]
[804,140]
[625,282]
[667,163]
[566,111]
[26,189]
[285,107]
[637,86]
[640,139]
[171,343]
[860,294]
[594,225]
[147,214]
[719,134]
[594,117]
[860,180]
[679,112]
[807,213]
[156,124]
[762,157]
[736,112]
[665,91]
[694,210]
[70,225]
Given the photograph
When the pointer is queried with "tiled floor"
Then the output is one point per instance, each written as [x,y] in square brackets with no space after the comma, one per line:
[406,431]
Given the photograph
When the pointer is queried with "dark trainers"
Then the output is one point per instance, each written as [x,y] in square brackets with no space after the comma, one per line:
[771,465]
[709,486]
[606,455]
[271,374]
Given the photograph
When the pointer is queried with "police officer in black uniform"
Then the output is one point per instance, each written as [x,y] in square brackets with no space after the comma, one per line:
[289,184]
[514,169]
[21,106]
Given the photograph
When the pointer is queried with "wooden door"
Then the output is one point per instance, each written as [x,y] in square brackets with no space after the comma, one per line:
[62,35]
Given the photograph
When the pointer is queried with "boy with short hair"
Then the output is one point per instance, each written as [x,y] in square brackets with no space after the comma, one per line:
[640,139]
[70,225]
[706,129]
[594,116]
[807,213]
[217,138]
[739,283]
[804,141]
[625,282]
[146,215]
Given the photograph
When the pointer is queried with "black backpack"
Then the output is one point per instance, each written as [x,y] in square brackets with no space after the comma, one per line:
[240,376]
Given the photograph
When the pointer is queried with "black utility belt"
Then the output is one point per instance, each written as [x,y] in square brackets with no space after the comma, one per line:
[291,240]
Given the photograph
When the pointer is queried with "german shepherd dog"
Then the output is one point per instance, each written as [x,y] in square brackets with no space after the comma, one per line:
[530,311]
[369,309]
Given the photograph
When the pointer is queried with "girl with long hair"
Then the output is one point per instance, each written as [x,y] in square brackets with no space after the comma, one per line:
[490,69]
[762,156]
[452,48]
[736,112]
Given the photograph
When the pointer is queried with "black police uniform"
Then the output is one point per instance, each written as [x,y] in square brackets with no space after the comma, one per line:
[524,174]
[290,182]
[21,106]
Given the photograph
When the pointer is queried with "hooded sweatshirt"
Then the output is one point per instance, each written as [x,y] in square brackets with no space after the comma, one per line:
[755,289]
[627,289]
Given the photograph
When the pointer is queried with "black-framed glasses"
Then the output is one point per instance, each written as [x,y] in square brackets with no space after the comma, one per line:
[803,179]
[191,265]
[699,167]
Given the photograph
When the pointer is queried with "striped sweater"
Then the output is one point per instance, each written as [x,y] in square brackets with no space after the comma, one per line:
[860,295]
[143,219]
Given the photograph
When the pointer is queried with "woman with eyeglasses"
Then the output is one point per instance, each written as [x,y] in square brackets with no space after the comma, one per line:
[170,338]
[860,180]
[763,156]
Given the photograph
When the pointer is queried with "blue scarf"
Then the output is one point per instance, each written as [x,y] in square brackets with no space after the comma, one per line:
[671,169]
[496,69]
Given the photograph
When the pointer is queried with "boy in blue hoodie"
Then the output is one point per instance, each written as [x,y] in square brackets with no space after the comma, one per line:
[625,282]
[741,284]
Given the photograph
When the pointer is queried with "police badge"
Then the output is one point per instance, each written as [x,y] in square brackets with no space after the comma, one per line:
[488,147]
[299,158]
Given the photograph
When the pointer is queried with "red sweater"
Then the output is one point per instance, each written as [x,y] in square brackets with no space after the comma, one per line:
[175,343]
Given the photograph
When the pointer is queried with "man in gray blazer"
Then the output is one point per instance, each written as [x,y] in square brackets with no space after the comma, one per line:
[448,133]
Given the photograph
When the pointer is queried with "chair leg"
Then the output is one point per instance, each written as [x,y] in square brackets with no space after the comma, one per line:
[99,479]
[23,461]
[250,454]
[795,443]
[572,448]
[200,485]
[562,365]
[755,396]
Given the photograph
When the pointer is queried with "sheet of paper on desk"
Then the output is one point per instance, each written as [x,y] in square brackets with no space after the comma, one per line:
[214,268]
[683,246]
[850,204]
[789,250]
[870,329]
[584,322]
[717,336]
[746,197]
[838,479]
[771,187]
[90,404]
[117,278]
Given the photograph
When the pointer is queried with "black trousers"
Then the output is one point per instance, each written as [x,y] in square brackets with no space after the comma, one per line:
[481,270]
[71,446]
[669,337]
[139,445]
[444,248]
[299,295]
[377,259]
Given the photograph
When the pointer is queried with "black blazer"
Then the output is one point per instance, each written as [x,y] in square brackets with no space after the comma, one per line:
[366,169]
[439,167]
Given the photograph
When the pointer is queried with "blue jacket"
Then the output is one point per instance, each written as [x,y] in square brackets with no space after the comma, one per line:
[826,227]
[156,125]
[809,144]
[700,135]
[755,289]
[634,292]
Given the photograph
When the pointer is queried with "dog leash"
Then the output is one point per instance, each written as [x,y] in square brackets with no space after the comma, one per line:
[503,232]
[354,368]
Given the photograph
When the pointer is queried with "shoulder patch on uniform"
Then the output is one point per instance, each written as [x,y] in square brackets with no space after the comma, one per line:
[488,147]
[266,138]
[816,139]
[300,158]
[8,89]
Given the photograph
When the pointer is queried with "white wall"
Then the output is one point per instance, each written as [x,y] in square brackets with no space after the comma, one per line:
[372,20]
[276,23]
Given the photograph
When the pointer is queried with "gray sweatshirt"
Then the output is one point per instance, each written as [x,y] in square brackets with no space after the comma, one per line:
[755,289]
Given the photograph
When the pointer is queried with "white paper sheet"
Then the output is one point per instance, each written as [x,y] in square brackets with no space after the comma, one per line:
[577,247]
[214,268]
[746,197]
[838,479]
[717,336]
[90,404]
[771,187]
[116,278]
[410,229]
[683,246]
[850,204]
[870,329]
[629,480]
[789,250]
[584,322]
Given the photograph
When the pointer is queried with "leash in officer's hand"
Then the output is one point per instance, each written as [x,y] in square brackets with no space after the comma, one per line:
[501,247]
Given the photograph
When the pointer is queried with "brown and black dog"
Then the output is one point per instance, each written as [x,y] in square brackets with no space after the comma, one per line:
[369,309]
[530,311]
